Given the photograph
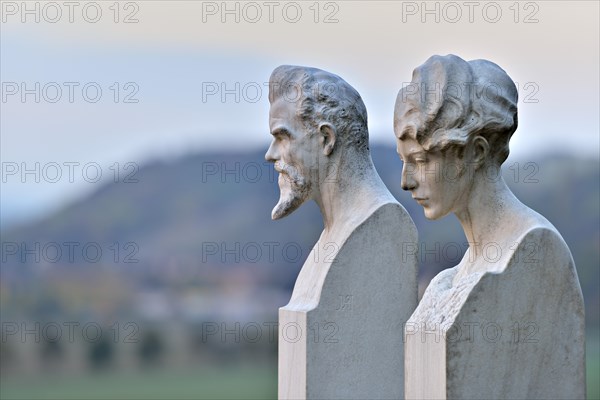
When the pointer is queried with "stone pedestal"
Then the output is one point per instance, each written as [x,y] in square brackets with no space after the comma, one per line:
[340,336]
[514,331]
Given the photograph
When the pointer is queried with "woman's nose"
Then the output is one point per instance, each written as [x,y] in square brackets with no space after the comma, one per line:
[408,179]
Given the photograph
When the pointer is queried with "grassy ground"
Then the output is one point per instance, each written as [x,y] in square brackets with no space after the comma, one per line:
[593,364]
[242,382]
[238,382]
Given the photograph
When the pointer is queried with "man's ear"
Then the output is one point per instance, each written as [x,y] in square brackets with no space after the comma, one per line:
[480,150]
[327,137]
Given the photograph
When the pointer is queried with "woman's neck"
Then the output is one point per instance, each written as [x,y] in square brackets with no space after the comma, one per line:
[486,211]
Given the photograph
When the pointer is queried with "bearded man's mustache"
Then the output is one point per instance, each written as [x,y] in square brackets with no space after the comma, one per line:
[290,171]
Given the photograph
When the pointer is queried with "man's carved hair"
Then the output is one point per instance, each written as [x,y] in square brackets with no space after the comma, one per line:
[450,100]
[320,97]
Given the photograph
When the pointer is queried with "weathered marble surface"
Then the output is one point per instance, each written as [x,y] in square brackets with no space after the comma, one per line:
[508,321]
[340,336]
[352,311]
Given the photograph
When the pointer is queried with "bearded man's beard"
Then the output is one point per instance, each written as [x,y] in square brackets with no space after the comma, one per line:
[294,189]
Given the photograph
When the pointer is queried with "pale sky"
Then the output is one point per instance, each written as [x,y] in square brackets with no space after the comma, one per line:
[178,49]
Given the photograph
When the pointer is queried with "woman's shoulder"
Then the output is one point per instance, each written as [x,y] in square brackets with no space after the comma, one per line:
[531,228]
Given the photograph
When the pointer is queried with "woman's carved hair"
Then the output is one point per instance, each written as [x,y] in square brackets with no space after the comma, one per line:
[450,100]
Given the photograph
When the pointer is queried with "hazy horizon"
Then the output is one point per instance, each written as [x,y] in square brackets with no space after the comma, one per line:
[56,198]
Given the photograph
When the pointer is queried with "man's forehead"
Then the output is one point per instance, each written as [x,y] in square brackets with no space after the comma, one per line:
[282,112]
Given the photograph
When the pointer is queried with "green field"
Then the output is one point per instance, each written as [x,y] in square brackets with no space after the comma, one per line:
[593,364]
[240,382]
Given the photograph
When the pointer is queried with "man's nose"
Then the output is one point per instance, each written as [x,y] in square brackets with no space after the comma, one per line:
[408,178]
[271,154]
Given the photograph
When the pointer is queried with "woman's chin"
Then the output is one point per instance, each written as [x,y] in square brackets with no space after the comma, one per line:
[432,214]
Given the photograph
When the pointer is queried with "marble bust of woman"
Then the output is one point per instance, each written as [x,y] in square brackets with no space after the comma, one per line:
[508,320]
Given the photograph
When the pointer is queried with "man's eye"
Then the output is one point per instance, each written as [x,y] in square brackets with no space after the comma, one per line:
[420,160]
[281,135]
